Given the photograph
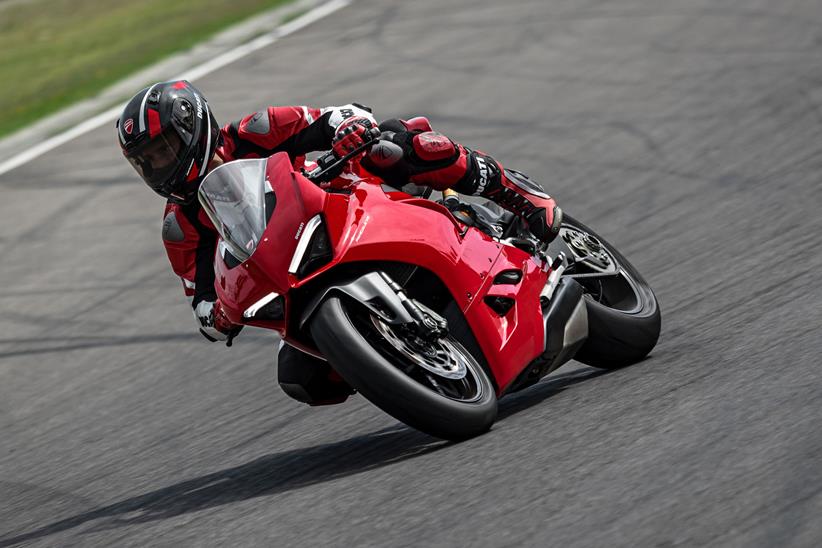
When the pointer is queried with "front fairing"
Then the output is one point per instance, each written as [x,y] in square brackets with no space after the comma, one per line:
[242,283]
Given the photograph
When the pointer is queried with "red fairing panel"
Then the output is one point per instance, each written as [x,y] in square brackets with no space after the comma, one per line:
[375,228]
[240,287]
[519,335]
[427,235]
[368,225]
[267,269]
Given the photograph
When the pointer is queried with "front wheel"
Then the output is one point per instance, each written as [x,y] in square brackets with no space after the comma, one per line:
[436,387]
[624,320]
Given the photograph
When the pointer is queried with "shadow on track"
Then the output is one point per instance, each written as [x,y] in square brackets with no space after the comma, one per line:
[264,476]
[86,343]
[538,393]
[282,472]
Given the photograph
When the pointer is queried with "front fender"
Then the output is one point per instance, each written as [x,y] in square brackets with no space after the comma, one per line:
[370,290]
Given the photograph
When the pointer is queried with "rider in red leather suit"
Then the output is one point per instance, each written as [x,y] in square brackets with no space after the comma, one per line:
[170,137]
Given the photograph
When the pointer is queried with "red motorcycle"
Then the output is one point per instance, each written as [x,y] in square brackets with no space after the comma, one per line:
[430,313]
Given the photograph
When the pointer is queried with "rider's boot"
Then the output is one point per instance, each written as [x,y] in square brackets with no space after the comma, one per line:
[406,154]
[517,193]
[309,379]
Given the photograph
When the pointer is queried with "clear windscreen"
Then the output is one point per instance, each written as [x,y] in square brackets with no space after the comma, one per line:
[233,196]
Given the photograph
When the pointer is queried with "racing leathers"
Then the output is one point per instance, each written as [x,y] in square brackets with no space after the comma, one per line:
[412,152]
[406,152]
[190,238]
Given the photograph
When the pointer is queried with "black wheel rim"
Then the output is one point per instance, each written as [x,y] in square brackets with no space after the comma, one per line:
[595,266]
[446,369]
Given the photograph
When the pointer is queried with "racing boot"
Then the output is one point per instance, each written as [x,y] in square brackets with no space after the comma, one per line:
[308,379]
[517,193]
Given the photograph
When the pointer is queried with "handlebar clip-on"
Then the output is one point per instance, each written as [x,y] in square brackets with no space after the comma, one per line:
[329,166]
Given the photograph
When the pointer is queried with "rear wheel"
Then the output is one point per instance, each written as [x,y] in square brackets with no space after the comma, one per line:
[434,386]
[624,320]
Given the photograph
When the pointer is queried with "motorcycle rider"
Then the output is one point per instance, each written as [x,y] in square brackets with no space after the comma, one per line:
[169,135]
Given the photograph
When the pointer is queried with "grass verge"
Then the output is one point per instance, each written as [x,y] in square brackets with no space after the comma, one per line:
[56,52]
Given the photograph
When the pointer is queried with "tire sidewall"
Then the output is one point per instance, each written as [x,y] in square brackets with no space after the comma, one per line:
[382,383]
[615,337]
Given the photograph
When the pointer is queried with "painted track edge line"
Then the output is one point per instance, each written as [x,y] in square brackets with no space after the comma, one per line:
[194,73]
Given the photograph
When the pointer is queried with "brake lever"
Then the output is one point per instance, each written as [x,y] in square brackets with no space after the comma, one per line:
[232,335]
[325,169]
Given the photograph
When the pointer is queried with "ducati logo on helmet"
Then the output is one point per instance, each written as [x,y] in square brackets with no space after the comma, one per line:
[199,106]
[128,126]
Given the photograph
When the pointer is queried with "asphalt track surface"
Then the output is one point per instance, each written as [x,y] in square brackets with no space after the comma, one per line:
[688,132]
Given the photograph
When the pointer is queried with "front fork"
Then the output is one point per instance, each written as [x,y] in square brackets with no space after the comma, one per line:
[427,324]
[379,293]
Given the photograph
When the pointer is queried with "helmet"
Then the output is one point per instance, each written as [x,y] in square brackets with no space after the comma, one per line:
[169,136]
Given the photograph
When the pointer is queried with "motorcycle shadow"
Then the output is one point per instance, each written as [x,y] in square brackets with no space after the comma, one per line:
[289,470]
[265,476]
[547,388]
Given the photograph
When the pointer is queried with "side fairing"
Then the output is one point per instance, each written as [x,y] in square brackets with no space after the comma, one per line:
[372,227]
[516,338]
[369,226]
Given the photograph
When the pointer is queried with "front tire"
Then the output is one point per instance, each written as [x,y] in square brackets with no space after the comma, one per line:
[360,351]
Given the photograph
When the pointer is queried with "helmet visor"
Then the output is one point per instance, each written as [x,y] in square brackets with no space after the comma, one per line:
[158,159]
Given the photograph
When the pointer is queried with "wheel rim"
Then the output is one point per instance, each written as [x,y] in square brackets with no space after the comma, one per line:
[445,367]
[598,271]
[439,357]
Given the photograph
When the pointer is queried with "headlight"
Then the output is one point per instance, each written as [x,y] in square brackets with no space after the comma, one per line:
[313,249]
[270,307]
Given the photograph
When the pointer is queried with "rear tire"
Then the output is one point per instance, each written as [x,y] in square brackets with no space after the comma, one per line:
[616,337]
[341,336]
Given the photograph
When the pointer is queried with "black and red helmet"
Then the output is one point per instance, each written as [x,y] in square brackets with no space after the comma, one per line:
[169,136]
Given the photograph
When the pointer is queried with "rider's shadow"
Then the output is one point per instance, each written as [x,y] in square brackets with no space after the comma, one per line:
[282,472]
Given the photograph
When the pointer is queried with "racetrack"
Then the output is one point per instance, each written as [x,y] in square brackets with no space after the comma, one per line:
[687,132]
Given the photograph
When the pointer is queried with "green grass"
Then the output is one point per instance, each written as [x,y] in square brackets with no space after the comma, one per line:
[56,52]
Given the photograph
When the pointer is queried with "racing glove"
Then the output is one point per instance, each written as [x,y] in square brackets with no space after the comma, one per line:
[214,324]
[353,133]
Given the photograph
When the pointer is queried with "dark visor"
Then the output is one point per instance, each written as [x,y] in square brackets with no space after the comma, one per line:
[158,159]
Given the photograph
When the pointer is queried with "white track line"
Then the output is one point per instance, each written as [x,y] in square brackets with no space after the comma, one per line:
[192,74]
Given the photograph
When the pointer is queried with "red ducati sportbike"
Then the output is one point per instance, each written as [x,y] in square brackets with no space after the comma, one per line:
[431,313]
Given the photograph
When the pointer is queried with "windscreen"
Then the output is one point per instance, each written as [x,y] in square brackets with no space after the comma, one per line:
[233,196]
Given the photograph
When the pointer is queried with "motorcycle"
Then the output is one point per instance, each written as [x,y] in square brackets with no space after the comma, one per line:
[431,313]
